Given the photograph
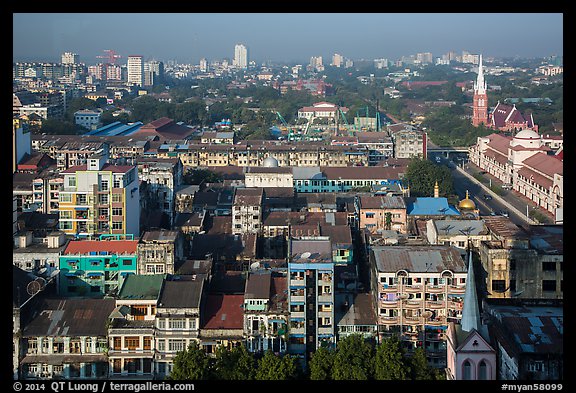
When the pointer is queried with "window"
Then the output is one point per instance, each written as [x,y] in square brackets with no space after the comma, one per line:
[513,285]
[117,343]
[126,262]
[161,344]
[161,324]
[81,199]
[32,345]
[103,199]
[549,285]
[104,185]
[549,266]
[483,371]
[72,181]
[65,214]
[148,343]
[116,211]
[117,183]
[499,285]
[176,345]
[467,370]
[370,215]
[132,342]
[177,324]
[116,198]
[116,224]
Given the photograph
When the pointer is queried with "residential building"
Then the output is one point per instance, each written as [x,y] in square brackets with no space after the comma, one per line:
[70,58]
[131,331]
[87,118]
[310,296]
[378,213]
[529,340]
[46,190]
[42,256]
[95,268]
[355,313]
[177,319]
[99,198]
[21,142]
[322,110]
[418,290]
[76,152]
[240,56]
[520,264]
[67,339]
[162,177]
[159,252]
[135,70]
[409,144]
[184,197]
[247,211]
[222,322]
[225,137]
[457,233]
[266,312]
[268,176]
[342,179]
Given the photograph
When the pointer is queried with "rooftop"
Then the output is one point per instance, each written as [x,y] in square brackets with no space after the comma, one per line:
[86,247]
[418,259]
[141,287]
[181,294]
[223,312]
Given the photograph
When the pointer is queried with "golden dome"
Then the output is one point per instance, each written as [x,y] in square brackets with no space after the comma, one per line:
[467,203]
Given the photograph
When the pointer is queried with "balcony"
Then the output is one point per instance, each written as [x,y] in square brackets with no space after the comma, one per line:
[387,288]
[388,320]
[435,304]
[389,303]
[297,283]
[413,288]
[435,288]
[435,336]
[455,305]
[296,314]
[325,298]
[412,304]
[436,322]
[412,320]
[297,298]
[457,289]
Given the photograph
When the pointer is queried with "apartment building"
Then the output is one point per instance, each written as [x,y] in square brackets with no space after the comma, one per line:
[177,319]
[131,331]
[163,177]
[159,252]
[310,296]
[67,339]
[99,198]
[418,290]
[266,312]
[457,233]
[247,211]
[379,213]
[94,268]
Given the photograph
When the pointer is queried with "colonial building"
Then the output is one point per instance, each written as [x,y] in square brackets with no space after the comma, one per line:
[378,213]
[67,339]
[159,252]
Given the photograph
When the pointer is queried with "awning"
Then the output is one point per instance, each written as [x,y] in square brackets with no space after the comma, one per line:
[95,274]
[81,208]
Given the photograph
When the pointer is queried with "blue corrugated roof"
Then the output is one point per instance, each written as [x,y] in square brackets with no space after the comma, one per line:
[428,206]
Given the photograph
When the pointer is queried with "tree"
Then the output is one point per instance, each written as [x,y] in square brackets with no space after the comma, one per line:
[234,364]
[273,367]
[419,366]
[61,127]
[321,363]
[191,364]
[389,363]
[421,175]
[353,359]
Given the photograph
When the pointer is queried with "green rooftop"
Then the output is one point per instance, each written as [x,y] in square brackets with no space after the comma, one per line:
[141,287]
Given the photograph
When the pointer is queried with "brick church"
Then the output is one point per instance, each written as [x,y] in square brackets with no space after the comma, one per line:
[503,117]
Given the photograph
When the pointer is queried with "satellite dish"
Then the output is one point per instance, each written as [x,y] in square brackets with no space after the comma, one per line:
[33,288]
[255,266]
[404,296]
[41,281]
[306,255]
[427,314]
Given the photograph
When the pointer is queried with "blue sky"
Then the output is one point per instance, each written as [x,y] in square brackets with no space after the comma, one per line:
[290,37]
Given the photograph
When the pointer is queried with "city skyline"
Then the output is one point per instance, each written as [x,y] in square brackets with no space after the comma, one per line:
[283,37]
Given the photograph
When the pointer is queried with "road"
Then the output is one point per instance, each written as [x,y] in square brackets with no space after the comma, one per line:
[476,193]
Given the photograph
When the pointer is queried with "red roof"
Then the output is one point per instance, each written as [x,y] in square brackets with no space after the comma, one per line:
[535,177]
[499,143]
[544,163]
[224,312]
[111,246]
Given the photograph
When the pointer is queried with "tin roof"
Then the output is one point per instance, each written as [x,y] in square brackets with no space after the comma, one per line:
[223,312]
[418,259]
[141,287]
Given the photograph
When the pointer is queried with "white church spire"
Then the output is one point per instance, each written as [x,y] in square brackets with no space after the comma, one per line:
[480,85]
[470,309]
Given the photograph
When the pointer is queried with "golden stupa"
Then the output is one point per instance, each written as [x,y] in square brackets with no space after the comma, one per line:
[467,203]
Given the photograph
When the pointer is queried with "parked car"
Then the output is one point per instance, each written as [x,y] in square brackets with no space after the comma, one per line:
[504,213]
[487,197]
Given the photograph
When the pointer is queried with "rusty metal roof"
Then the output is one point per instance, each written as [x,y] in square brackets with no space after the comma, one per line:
[418,259]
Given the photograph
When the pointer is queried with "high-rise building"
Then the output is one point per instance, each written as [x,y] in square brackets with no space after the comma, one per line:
[240,56]
[316,63]
[100,198]
[135,70]
[337,60]
[70,58]
[203,65]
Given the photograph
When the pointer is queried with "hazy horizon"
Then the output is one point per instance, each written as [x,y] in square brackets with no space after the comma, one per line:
[283,37]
